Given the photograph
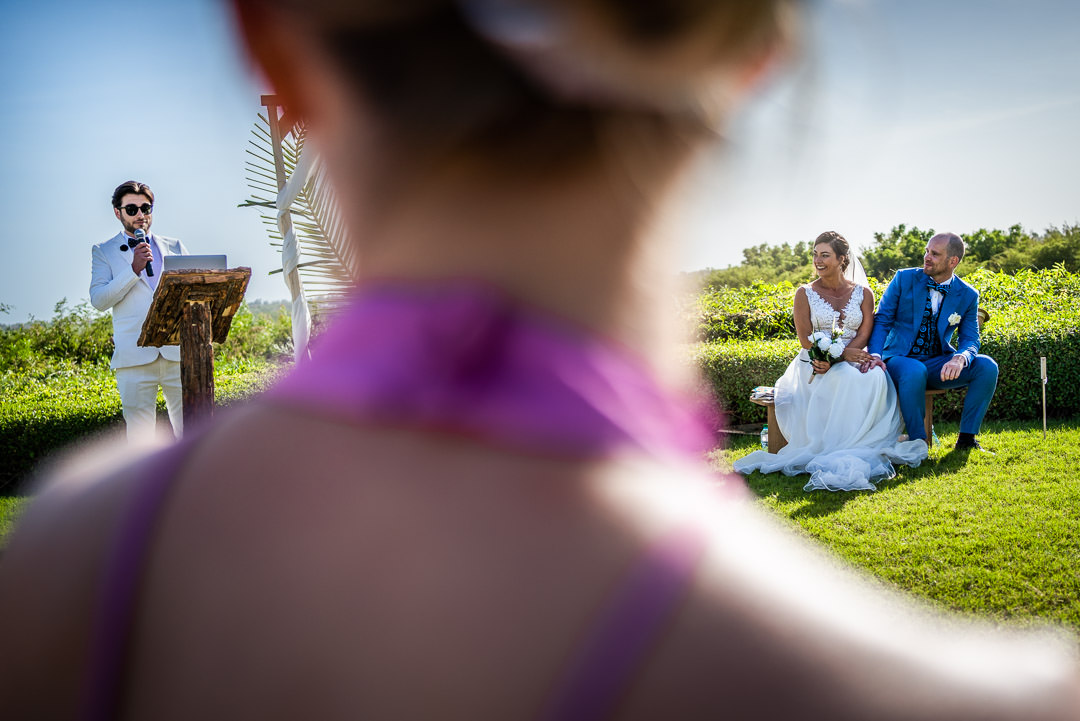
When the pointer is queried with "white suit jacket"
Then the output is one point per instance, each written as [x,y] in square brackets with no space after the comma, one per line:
[113,285]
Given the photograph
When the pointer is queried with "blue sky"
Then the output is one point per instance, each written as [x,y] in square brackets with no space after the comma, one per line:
[946,115]
[955,114]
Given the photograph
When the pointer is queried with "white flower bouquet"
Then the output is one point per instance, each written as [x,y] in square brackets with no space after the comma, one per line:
[824,347]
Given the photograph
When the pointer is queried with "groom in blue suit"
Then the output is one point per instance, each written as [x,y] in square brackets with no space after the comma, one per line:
[914,325]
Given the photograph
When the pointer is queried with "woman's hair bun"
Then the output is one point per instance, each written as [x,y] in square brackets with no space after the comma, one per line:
[663,55]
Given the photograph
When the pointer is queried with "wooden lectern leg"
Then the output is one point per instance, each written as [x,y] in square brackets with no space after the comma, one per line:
[196,363]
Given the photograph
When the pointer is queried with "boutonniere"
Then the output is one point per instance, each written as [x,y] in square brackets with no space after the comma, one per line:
[954,319]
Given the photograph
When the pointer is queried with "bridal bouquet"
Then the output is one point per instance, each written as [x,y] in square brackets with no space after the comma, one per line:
[824,347]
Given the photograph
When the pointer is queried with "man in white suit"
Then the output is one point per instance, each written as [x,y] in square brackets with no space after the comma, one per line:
[120,281]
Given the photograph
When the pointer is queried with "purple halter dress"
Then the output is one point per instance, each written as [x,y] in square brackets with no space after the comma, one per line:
[461,358]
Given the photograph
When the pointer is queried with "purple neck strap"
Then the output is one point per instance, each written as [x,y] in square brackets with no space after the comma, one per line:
[461,358]
[114,615]
[615,648]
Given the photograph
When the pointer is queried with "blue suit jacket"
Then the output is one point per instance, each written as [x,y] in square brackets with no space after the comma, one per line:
[900,312]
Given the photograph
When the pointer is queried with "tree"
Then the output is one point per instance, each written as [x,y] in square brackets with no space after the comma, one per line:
[899,248]
[766,264]
[983,245]
[1058,246]
[1007,251]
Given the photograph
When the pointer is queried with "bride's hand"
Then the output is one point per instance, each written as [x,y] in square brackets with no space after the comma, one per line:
[820,366]
[856,355]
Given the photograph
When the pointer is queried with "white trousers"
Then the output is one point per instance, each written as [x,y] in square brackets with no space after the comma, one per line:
[138,386]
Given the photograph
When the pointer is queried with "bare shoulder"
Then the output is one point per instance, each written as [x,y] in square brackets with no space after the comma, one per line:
[768,605]
[339,543]
[49,573]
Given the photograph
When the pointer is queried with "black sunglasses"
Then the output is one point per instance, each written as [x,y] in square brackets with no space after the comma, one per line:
[131,209]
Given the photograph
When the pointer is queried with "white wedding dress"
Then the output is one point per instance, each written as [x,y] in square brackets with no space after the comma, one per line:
[842,429]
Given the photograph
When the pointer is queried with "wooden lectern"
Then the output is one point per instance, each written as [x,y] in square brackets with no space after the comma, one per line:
[193,308]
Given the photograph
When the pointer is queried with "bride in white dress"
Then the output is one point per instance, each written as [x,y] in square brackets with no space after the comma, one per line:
[842,428]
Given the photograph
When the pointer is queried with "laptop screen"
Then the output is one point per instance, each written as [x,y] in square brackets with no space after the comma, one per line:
[194,262]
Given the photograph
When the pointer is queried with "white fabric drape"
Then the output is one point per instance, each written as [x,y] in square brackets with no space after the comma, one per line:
[290,255]
[855,272]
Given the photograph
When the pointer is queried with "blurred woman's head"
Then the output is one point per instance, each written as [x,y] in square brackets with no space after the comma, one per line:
[523,80]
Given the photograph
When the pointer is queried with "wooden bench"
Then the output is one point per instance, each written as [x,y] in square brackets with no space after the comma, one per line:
[777,440]
[928,416]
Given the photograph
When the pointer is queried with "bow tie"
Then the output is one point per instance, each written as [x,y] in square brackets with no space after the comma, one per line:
[939,287]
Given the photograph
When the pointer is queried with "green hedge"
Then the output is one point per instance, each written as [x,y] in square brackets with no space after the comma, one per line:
[84,335]
[1033,314]
[51,406]
[56,387]
[758,312]
[735,367]
[57,403]
[763,311]
[732,368]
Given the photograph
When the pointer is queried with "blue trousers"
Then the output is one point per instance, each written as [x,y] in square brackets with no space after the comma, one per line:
[913,376]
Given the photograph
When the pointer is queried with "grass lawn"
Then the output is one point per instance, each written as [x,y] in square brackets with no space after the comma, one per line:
[9,507]
[56,403]
[998,536]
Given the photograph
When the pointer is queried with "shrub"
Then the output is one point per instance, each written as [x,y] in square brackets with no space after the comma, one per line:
[49,406]
[761,311]
[79,334]
[733,367]
[84,335]
[267,336]
[57,387]
[61,402]
[1016,344]
[1033,314]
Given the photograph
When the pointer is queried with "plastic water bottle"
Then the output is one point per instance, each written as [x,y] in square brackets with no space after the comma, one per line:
[765,437]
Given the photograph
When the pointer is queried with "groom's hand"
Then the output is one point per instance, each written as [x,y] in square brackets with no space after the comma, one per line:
[874,362]
[951,370]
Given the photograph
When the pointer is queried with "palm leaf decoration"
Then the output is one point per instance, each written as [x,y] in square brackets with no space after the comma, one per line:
[326,260]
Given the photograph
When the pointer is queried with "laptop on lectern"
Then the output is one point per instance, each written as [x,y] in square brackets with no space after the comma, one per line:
[193,262]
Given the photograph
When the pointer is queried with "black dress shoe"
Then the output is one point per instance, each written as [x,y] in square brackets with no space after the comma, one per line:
[973,444]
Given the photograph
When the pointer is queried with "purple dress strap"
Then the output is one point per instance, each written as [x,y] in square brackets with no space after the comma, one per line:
[460,358]
[115,609]
[616,647]
[464,359]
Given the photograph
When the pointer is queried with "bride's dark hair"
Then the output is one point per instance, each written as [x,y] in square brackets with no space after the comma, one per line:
[839,245]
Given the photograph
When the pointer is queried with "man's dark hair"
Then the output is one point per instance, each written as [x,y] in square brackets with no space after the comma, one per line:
[131,186]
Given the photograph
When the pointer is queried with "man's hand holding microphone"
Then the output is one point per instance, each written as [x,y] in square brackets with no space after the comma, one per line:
[143,255]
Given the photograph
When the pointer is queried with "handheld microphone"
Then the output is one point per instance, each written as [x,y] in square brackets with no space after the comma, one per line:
[140,237]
